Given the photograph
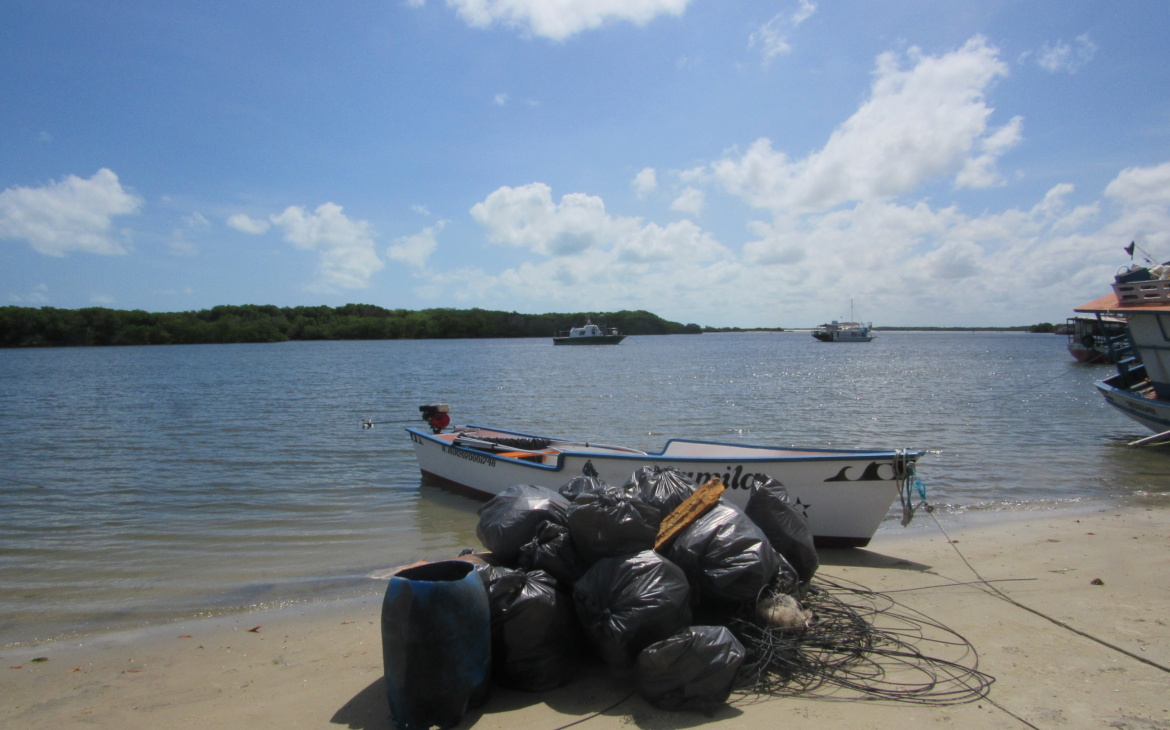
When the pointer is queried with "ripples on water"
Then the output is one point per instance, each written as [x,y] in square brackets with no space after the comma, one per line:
[159,482]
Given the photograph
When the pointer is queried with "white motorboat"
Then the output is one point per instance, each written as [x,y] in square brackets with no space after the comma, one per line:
[589,334]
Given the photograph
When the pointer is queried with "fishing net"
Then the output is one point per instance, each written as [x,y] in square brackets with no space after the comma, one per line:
[860,645]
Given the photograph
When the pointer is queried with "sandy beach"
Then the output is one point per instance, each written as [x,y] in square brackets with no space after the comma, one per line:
[1071,624]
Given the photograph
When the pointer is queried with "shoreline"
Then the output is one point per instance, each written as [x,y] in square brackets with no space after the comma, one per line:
[334,590]
[1080,654]
[331,591]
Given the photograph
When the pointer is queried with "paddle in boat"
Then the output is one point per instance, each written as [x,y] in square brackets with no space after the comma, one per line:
[845,493]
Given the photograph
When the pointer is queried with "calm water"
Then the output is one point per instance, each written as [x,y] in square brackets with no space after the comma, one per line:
[146,484]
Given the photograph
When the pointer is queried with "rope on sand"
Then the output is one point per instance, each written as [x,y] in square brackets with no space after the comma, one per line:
[986,586]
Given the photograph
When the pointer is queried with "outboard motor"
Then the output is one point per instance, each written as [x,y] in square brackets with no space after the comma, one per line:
[436,416]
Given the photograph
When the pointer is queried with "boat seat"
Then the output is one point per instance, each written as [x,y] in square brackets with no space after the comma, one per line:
[522,455]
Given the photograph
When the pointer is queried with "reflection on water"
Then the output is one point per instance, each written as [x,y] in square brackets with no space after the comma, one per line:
[149,483]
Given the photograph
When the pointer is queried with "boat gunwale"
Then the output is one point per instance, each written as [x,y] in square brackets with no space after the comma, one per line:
[785,453]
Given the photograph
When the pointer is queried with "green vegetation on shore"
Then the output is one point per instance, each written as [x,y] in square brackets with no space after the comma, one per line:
[51,327]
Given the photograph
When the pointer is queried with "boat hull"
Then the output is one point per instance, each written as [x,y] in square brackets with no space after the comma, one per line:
[594,340]
[1088,338]
[1152,413]
[844,493]
[1088,356]
[825,337]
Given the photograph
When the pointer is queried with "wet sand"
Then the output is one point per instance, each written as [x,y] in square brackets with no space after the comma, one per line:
[1078,638]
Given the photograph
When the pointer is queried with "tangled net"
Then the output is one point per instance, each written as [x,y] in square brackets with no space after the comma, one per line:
[860,644]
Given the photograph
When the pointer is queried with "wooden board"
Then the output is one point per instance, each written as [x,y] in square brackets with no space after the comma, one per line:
[691,509]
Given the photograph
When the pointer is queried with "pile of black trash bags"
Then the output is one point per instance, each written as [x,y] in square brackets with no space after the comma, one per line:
[575,571]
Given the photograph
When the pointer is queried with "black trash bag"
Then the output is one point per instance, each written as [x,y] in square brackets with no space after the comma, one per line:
[693,670]
[665,488]
[510,520]
[610,522]
[552,551]
[536,638]
[785,526]
[627,603]
[497,579]
[580,485]
[726,557]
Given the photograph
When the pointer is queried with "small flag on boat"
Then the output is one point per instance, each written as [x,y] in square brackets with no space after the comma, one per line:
[1130,247]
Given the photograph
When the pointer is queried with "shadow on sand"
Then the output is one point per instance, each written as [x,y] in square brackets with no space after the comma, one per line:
[597,691]
[865,558]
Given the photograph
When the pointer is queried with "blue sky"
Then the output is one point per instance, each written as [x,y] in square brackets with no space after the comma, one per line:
[727,163]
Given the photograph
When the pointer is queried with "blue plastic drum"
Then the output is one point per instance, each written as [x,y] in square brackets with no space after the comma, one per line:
[436,644]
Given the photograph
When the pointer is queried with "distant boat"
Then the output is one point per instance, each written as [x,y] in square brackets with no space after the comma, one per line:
[589,334]
[844,331]
[1088,338]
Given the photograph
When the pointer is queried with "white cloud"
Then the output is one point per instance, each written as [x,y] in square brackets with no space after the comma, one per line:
[1063,57]
[695,175]
[180,244]
[953,260]
[196,220]
[345,247]
[415,250]
[590,256]
[674,244]
[919,123]
[690,202]
[420,209]
[645,182]
[247,224]
[72,215]
[919,264]
[772,37]
[36,296]
[500,99]
[1136,186]
[527,217]
[560,19]
[980,171]
[910,262]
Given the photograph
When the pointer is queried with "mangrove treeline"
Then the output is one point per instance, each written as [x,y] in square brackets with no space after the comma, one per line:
[51,327]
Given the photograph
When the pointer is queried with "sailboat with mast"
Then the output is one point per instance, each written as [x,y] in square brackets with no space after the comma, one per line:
[851,331]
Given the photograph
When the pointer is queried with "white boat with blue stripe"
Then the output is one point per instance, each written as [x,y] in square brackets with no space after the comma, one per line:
[845,493]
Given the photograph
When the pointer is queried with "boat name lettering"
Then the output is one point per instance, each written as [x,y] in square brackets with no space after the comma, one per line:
[469,455]
[733,478]
[1140,408]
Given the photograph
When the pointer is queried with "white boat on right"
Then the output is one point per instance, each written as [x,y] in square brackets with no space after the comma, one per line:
[1141,387]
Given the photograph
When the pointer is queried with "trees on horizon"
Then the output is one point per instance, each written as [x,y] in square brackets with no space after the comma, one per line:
[98,326]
